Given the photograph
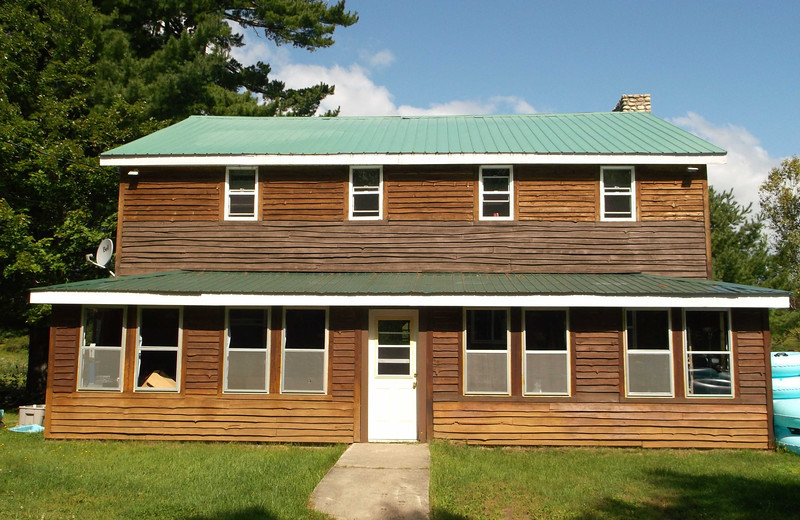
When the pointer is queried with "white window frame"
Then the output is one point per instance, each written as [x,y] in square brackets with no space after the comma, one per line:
[686,354]
[226,363]
[84,347]
[567,352]
[631,194]
[648,352]
[326,349]
[466,352]
[229,192]
[509,192]
[354,192]
[156,348]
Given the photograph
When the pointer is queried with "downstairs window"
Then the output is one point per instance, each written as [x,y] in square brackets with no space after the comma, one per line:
[102,346]
[648,360]
[158,350]
[247,351]
[486,352]
[305,344]
[546,358]
[708,354]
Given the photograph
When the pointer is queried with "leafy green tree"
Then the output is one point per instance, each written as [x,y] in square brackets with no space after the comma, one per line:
[780,208]
[738,246]
[176,55]
[78,78]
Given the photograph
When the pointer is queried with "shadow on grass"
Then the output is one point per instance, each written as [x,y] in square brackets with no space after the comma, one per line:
[250,513]
[438,513]
[705,496]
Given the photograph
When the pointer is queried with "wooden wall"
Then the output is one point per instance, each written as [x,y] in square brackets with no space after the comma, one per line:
[176,194]
[598,413]
[665,248]
[200,411]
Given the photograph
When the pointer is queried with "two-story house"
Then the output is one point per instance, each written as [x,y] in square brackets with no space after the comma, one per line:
[527,279]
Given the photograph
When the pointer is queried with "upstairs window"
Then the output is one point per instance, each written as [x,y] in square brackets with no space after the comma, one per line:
[366,192]
[617,200]
[546,361]
[241,188]
[247,351]
[649,360]
[101,352]
[486,359]
[496,193]
[708,354]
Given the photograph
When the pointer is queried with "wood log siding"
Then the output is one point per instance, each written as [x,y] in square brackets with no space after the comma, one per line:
[429,194]
[551,193]
[662,196]
[175,194]
[665,248]
[200,411]
[446,193]
[597,413]
[310,194]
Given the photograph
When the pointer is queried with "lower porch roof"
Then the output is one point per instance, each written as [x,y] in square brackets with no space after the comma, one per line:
[246,289]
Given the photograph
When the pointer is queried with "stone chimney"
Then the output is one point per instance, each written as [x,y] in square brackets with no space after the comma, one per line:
[633,103]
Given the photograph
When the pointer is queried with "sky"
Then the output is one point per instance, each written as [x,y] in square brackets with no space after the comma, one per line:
[727,71]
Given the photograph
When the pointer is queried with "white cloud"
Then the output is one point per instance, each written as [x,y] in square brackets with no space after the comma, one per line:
[379,59]
[748,163]
[355,92]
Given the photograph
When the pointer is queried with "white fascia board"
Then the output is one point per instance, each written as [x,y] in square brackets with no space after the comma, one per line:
[403,159]
[310,300]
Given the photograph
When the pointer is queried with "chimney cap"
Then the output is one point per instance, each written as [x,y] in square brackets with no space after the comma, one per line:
[633,103]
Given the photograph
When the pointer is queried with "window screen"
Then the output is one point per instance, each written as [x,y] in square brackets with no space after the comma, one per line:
[304,354]
[246,365]
[241,193]
[649,360]
[365,199]
[101,352]
[486,360]
[546,356]
[496,193]
[618,200]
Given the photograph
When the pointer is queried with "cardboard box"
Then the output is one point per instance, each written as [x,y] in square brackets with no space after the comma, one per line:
[31,414]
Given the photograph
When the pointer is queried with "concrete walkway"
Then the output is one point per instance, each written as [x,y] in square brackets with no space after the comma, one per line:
[373,481]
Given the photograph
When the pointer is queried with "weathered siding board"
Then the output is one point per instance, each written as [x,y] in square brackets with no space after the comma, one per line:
[310,194]
[343,324]
[244,418]
[596,345]
[173,194]
[665,248]
[670,196]
[609,424]
[425,193]
[203,332]
[557,193]
[446,325]
[62,374]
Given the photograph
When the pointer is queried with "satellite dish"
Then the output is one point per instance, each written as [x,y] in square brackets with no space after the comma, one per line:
[104,252]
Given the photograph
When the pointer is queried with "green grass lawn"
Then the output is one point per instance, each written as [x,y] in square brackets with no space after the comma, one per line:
[505,483]
[42,479]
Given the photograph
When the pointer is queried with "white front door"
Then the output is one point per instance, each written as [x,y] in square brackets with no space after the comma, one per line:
[392,392]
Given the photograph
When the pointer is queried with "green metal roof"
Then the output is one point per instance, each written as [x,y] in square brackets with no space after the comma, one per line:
[603,133]
[423,284]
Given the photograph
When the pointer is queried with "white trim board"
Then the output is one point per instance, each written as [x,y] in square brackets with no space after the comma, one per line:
[404,159]
[404,300]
